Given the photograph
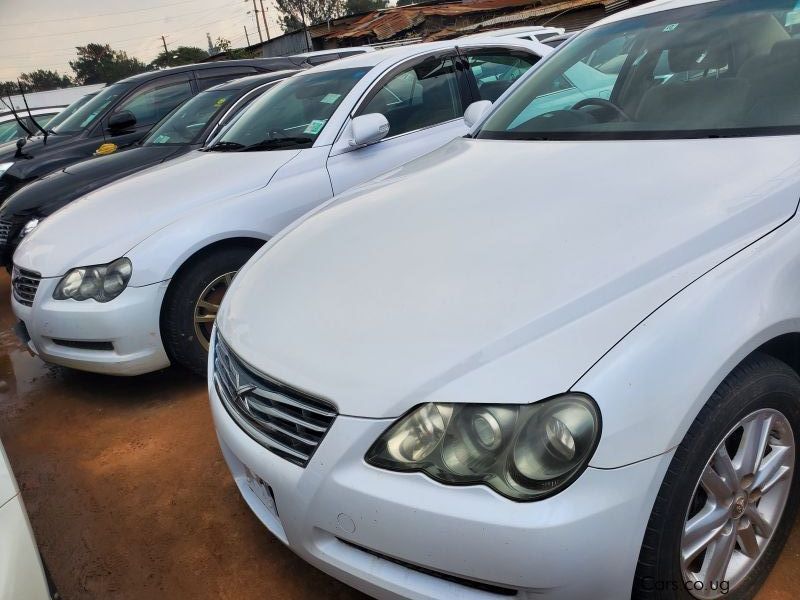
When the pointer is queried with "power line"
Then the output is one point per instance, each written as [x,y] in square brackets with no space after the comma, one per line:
[113,14]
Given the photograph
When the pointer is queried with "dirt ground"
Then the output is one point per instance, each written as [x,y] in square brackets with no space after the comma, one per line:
[129,496]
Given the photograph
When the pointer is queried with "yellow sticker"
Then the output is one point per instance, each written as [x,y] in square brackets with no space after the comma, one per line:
[220,102]
[105,149]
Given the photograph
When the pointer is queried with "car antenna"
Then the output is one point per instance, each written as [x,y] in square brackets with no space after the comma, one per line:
[25,100]
[10,106]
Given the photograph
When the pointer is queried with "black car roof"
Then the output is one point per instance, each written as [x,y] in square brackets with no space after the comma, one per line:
[253,81]
[267,64]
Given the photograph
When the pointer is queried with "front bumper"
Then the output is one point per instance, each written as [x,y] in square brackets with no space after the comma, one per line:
[344,516]
[121,337]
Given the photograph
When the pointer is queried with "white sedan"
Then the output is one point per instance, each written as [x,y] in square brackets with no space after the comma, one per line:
[557,359]
[129,278]
[22,575]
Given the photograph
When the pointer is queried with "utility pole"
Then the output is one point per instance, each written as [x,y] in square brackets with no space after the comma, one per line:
[264,18]
[247,37]
[258,24]
[166,52]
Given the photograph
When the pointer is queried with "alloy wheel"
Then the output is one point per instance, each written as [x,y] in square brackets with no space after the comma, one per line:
[207,307]
[737,504]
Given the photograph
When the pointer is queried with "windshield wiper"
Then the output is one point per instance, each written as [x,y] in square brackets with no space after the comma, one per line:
[226,147]
[277,143]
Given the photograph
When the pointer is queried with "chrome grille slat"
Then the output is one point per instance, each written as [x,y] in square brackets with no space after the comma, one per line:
[24,285]
[285,421]
[5,229]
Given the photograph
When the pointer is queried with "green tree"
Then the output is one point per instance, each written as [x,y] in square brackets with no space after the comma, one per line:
[182,55]
[234,53]
[314,11]
[99,63]
[42,80]
[354,7]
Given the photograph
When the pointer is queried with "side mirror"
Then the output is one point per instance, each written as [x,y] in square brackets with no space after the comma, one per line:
[475,112]
[121,121]
[368,129]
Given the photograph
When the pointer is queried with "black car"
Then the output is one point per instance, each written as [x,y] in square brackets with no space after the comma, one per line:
[185,129]
[120,115]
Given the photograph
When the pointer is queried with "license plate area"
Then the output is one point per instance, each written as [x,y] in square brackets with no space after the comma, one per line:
[262,491]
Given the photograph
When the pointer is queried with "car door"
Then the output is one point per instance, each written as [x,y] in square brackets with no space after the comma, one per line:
[149,103]
[423,100]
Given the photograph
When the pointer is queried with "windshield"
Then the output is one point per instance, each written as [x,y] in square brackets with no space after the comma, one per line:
[290,115]
[186,124]
[713,69]
[86,114]
[70,110]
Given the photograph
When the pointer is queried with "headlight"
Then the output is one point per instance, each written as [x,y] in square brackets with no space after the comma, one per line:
[522,452]
[5,167]
[28,227]
[100,282]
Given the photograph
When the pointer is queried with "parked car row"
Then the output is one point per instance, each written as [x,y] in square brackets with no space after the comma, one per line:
[498,320]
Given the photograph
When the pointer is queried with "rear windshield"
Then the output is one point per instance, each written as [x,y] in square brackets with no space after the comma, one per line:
[724,68]
[186,124]
[88,113]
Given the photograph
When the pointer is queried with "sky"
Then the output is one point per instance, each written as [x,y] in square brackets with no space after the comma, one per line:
[43,34]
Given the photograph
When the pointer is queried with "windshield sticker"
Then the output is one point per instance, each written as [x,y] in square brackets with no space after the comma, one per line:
[220,102]
[315,126]
[793,18]
[671,27]
[161,139]
[331,98]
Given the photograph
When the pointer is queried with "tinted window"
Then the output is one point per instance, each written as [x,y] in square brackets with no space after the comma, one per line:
[88,113]
[207,78]
[424,95]
[10,131]
[188,121]
[70,110]
[151,104]
[495,71]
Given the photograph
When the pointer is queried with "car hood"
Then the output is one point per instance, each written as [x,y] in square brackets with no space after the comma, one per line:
[489,258]
[46,195]
[34,147]
[108,222]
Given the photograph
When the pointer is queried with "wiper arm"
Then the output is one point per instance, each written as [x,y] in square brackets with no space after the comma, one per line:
[226,147]
[277,143]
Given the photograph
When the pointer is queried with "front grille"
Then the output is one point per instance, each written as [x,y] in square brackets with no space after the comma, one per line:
[285,421]
[5,230]
[24,285]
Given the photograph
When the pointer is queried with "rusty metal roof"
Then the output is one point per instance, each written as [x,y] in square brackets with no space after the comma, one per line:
[387,23]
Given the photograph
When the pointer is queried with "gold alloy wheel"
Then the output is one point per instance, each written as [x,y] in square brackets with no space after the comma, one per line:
[207,306]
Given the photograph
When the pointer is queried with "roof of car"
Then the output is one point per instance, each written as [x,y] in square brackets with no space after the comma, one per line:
[650,7]
[371,59]
[264,63]
[253,81]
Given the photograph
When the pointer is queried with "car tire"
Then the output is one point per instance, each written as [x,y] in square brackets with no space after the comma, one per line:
[185,321]
[755,402]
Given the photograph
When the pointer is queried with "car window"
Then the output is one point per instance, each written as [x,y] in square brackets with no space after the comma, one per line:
[292,114]
[496,70]
[187,122]
[421,96]
[712,69]
[10,131]
[70,110]
[153,103]
[87,113]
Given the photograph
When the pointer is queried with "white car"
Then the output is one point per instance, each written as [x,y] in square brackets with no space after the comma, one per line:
[22,575]
[556,359]
[129,278]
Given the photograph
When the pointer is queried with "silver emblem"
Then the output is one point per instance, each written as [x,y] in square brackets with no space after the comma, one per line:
[241,390]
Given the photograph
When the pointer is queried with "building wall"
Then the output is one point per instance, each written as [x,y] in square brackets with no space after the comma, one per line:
[285,45]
